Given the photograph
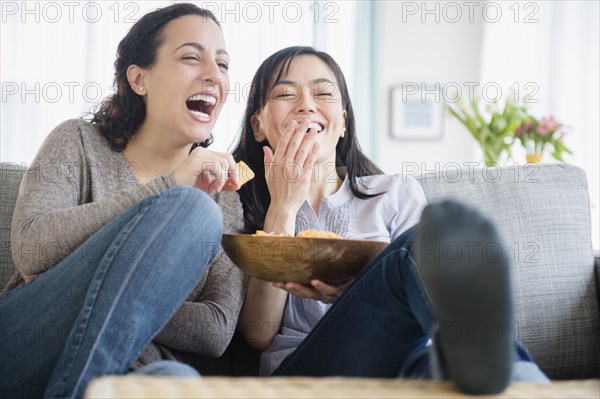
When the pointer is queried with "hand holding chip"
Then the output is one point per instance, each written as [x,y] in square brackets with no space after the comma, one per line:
[212,171]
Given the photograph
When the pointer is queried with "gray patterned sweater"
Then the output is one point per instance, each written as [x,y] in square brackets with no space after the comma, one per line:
[75,185]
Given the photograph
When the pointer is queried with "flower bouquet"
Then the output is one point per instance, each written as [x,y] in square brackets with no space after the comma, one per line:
[536,135]
[493,129]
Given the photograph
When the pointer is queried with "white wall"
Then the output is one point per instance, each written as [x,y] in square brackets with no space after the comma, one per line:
[415,51]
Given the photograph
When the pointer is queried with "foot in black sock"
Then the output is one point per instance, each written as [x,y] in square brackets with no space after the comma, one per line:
[465,269]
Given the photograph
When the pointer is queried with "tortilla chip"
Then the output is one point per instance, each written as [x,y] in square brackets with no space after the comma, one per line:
[245,174]
[318,234]
[304,233]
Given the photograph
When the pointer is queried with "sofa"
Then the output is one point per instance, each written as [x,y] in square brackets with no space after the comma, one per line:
[543,213]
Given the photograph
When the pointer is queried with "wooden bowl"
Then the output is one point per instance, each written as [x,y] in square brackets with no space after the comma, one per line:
[300,259]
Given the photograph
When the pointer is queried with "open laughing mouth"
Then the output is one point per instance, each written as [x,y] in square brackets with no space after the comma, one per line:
[201,106]
[318,126]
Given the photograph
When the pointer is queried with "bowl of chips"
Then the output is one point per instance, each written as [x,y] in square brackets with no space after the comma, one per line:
[310,255]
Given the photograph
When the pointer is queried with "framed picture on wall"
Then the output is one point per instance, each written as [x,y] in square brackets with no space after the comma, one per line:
[416,112]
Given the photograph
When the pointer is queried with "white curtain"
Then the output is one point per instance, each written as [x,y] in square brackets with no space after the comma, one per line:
[550,51]
[57,63]
[362,89]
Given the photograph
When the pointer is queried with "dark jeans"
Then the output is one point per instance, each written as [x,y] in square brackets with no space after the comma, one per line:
[380,326]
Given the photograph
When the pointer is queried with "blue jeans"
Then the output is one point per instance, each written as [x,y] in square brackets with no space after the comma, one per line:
[167,367]
[94,312]
[379,327]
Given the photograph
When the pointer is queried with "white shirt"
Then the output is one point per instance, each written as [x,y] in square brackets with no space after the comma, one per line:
[382,218]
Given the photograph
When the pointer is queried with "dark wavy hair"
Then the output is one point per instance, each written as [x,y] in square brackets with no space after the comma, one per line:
[255,195]
[120,115]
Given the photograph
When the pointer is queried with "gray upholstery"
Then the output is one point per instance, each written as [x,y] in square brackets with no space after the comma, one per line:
[543,213]
[10,179]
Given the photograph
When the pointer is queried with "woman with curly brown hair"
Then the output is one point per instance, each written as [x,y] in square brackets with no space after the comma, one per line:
[114,235]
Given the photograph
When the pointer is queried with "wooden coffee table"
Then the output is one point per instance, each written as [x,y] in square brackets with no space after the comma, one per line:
[301,387]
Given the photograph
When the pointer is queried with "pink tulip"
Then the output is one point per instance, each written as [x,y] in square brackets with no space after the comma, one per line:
[529,126]
[548,126]
[525,129]
[520,131]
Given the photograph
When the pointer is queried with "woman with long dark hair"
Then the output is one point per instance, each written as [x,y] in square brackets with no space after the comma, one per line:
[114,234]
[298,135]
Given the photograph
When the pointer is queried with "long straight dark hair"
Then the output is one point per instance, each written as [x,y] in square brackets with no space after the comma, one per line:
[255,195]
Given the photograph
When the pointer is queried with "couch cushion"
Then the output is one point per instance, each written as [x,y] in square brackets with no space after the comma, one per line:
[543,213]
[10,179]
